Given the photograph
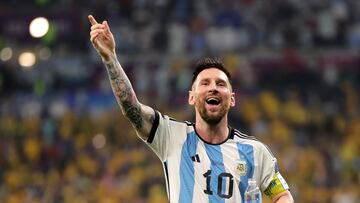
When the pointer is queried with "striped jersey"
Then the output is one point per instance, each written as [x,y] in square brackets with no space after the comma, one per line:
[201,172]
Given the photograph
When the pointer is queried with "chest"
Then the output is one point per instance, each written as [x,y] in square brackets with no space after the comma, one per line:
[215,171]
[234,159]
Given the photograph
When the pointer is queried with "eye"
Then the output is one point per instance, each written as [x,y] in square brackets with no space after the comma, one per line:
[221,84]
[204,83]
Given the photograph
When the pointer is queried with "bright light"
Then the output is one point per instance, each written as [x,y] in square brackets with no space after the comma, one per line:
[99,141]
[6,54]
[39,27]
[44,54]
[27,59]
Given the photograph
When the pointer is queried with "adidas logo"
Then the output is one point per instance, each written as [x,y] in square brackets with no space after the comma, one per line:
[195,158]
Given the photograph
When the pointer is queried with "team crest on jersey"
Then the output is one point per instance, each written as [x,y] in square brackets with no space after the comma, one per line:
[241,168]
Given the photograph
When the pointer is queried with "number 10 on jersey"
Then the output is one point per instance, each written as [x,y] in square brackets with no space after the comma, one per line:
[222,176]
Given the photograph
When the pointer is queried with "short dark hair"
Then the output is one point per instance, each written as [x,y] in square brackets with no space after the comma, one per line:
[206,63]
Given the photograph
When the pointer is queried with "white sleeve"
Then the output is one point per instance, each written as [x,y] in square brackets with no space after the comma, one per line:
[272,183]
[159,138]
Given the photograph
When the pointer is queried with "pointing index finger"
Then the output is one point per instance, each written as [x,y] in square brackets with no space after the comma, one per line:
[92,20]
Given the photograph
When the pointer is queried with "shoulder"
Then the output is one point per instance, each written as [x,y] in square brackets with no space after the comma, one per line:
[182,123]
[174,123]
[252,140]
[239,135]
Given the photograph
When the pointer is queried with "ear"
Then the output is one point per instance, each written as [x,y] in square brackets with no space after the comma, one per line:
[191,99]
[232,100]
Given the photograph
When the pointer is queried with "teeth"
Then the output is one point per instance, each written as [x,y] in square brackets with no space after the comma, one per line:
[212,99]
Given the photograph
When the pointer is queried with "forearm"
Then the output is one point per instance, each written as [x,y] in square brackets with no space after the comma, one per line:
[284,197]
[124,92]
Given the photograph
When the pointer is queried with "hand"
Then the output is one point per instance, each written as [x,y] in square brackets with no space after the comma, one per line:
[102,39]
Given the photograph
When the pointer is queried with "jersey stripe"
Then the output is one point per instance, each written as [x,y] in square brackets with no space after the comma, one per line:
[244,136]
[217,167]
[166,171]
[246,153]
[153,128]
[187,176]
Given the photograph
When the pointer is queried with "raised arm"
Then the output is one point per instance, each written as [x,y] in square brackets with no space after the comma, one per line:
[140,116]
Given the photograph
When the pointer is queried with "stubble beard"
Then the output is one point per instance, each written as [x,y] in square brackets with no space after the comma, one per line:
[212,118]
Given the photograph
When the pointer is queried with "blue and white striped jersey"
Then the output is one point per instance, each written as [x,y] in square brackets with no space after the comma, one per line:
[197,171]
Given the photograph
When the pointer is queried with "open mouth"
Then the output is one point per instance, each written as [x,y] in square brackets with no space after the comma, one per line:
[213,101]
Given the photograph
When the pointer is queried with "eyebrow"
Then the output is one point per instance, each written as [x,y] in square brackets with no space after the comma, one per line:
[221,80]
[204,79]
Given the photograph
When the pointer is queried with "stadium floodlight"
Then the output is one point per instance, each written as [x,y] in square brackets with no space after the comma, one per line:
[39,27]
[27,59]
[6,54]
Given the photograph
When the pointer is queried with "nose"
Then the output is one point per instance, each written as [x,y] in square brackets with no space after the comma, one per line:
[213,87]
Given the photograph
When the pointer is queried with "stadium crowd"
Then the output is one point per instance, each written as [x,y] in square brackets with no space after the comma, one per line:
[297,81]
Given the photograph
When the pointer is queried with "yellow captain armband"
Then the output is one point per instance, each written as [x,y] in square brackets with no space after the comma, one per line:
[276,186]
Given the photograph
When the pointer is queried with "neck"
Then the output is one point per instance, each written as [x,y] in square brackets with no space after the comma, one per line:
[212,133]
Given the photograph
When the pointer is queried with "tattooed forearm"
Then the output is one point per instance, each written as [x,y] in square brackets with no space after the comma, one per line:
[133,113]
[113,71]
[122,89]
[125,94]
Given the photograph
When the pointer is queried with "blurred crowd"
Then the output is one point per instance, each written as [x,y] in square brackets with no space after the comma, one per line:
[296,75]
[197,27]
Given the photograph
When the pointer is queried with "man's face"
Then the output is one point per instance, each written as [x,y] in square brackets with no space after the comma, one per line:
[212,95]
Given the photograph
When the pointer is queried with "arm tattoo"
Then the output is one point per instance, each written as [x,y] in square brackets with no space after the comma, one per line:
[125,94]
[133,113]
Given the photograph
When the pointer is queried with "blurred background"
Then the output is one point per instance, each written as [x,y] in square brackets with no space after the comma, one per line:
[296,70]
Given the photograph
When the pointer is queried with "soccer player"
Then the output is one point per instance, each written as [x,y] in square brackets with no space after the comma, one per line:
[205,161]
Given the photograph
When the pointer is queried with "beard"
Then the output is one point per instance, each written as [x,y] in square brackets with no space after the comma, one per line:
[212,118]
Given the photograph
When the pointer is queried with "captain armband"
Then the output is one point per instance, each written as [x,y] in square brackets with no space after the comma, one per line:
[276,186]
